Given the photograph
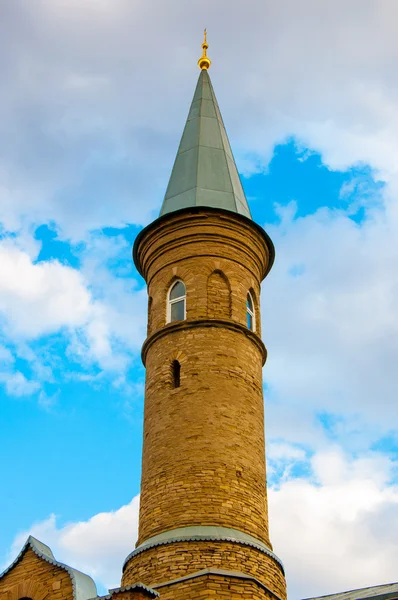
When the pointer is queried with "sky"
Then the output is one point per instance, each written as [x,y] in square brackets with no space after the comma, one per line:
[94,98]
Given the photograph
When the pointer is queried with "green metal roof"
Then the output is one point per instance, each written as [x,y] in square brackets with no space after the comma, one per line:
[204,172]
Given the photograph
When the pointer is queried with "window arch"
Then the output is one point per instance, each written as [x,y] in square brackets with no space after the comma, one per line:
[176,302]
[250,313]
[218,296]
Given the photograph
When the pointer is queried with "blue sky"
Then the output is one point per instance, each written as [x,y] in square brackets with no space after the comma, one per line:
[89,134]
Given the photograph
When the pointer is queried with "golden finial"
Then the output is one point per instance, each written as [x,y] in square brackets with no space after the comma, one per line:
[204,62]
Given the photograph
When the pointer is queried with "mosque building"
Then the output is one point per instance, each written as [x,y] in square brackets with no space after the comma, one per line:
[203,523]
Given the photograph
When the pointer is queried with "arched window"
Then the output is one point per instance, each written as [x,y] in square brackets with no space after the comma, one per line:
[176,302]
[175,373]
[250,314]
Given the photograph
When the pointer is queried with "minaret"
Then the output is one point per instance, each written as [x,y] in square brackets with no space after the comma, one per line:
[203,527]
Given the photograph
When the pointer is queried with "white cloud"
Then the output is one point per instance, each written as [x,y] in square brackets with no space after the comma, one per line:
[100,317]
[97,546]
[89,124]
[91,120]
[336,532]
[17,385]
[39,298]
[6,356]
[91,117]
[331,328]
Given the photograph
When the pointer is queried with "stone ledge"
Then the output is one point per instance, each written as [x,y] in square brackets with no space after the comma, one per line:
[204,534]
[183,325]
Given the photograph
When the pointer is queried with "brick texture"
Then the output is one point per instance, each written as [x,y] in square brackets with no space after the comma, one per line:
[213,586]
[204,450]
[218,296]
[172,561]
[203,457]
[35,578]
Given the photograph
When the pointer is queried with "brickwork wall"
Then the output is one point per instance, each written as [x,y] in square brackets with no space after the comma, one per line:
[218,296]
[204,449]
[203,457]
[191,248]
[35,578]
[172,561]
[214,586]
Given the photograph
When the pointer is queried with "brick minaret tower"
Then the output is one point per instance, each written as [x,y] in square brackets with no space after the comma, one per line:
[203,528]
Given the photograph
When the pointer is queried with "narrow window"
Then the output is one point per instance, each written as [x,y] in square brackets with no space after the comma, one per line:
[250,316]
[176,373]
[176,302]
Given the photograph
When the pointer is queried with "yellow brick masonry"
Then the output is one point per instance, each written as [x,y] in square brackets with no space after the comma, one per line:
[204,442]
[203,453]
[215,586]
[172,561]
[35,578]
[192,247]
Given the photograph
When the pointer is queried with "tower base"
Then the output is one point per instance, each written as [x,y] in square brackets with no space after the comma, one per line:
[184,563]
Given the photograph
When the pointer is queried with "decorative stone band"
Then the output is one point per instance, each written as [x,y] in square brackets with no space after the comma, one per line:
[225,323]
[219,573]
[206,533]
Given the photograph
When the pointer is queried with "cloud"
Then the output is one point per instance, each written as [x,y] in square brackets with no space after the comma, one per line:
[97,546]
[329,306]
[90,120]
[91,115]
[39,298]
[96,318]
[17,385]
[333,531]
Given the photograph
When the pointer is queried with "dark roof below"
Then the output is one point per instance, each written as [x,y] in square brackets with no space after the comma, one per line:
[381,592]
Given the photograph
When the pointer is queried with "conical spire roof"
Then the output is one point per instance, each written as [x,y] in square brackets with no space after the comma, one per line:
[204,171]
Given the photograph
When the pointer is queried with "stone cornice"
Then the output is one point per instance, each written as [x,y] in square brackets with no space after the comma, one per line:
[206,533]
[189,216]
[191,324]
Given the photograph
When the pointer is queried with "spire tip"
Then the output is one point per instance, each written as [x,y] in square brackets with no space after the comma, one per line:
[204,62]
